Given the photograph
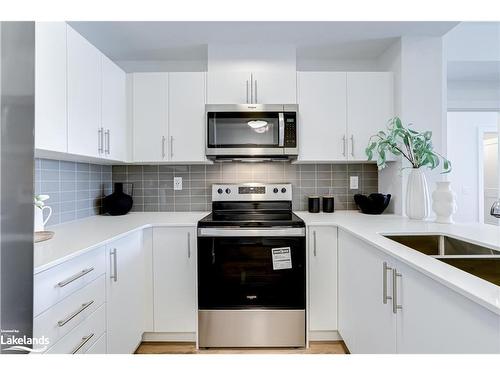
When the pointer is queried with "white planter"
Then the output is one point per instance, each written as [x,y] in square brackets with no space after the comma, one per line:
[444,202]
[417,195]
[39,221]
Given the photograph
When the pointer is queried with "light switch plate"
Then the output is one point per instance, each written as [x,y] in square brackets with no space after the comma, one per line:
[177,183]
[353,182]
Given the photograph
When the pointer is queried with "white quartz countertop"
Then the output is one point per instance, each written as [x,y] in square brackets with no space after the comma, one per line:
[371,228]
[76,237]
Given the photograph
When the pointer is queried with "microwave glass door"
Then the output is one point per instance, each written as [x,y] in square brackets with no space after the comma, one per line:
[243,129]
[238,273]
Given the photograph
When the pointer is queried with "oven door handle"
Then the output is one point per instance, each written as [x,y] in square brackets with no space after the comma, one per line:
[240,232]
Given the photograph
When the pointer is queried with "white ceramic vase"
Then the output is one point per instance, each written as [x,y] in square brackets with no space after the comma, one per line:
[417,195]
[444,202]
[39,221]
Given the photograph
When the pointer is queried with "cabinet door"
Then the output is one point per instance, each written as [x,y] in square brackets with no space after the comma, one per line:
[186,116]
[435,319]
[150,100]
[366,323]
[323,278]
[275,87]
[125,294]
[322,116]
[228,87]
[370,105]
[174,275]
[114,101]
[50,87]
[84,95]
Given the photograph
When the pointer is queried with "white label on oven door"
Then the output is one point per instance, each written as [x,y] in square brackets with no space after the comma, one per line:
[282,258]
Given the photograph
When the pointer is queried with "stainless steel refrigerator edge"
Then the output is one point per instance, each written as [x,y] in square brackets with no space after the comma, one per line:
[17,100]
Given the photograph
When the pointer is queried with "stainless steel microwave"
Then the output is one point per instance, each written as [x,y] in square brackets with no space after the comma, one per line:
[254,131]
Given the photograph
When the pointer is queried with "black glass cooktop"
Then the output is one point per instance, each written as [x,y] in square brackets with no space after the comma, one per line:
[251,214]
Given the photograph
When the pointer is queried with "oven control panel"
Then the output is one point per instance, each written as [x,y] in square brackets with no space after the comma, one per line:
[252,192]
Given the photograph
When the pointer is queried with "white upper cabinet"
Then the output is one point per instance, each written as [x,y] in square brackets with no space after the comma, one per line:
[174,279]
[50,87]
[228,87]
[275,87]
[322,116]
[186,116]
[339,112]
[370,105]
[322,279]
[84,97]
[125,294]
[261,87]
[114,110]
[150,116]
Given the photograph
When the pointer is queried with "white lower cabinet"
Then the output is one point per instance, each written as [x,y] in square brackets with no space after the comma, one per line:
[125,292]
[419,315]
[174,279]
[322,281]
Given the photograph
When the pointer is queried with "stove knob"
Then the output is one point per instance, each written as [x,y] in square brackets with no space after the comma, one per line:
[219,190]
[228,191]
[283,190]
[275,190]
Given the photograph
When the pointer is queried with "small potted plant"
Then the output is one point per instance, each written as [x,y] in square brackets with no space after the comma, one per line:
[417,148]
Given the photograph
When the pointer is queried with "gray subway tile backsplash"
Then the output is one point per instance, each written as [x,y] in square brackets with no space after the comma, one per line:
[153,185]
[75,189]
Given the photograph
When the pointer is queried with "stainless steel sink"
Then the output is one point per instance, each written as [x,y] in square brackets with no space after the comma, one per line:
[477,260]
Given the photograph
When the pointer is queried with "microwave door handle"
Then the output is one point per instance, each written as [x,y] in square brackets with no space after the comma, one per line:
[281,120]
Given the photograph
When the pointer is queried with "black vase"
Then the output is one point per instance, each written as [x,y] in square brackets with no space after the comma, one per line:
[117,203]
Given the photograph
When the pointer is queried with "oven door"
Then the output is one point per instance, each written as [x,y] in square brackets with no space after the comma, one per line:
[239,273]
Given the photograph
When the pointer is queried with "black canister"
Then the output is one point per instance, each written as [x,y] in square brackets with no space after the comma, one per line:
[117,203]
[328,203]
[313,203]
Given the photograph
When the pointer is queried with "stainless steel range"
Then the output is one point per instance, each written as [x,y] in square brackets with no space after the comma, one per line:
[251,269]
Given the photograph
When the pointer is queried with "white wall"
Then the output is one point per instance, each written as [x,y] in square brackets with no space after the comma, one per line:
[463,152]
[474,95]
[474,41]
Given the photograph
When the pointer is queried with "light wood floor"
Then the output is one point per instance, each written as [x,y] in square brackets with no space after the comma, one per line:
[317,347]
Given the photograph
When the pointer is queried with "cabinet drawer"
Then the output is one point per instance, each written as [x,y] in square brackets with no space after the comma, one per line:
[99,347]
[83,337]
[54,284]
[61,318]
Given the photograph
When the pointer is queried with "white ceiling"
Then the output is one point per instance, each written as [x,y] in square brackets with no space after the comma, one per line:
[184,41]
[474,71]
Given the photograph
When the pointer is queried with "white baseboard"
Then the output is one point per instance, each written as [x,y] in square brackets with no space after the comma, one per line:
[169,336]
[324,336]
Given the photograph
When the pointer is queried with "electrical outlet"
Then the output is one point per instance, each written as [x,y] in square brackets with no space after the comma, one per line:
[353,182]
[177,183]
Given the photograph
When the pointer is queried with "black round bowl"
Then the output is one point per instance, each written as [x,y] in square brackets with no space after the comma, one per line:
[374,204]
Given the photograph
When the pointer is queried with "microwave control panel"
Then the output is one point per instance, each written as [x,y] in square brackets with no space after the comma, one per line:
[290,129]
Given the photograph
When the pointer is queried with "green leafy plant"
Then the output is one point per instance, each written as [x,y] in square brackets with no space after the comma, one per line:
[414,146]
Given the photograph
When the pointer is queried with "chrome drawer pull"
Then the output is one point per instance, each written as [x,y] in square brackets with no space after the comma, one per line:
[395,305]
[385,296]
[63,322]
[75,277]
[85,340]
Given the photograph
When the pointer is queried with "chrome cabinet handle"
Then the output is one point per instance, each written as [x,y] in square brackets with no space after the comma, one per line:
[114,265]
[251,88]
[75,277]
[256,100]
[314,243]
[343,145]
[395,305]
[64,321]
[247,91]
[352,145]
[99,140]
[189,244]
[85,339]
[163,147]
[106,137]
[385,297]
[171,147]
